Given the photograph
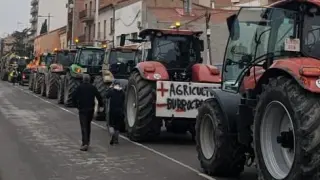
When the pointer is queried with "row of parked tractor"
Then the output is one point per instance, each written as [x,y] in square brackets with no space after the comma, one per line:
[261,105]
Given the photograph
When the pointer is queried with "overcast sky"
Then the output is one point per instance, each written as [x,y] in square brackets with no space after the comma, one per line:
[14,14]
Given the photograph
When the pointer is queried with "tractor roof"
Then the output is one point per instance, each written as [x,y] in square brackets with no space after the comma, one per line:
[145,32]
[281,2]
[132,47]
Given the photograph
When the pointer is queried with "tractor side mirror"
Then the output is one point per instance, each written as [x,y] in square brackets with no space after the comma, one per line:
[122,39]
[233,27]
[201,45]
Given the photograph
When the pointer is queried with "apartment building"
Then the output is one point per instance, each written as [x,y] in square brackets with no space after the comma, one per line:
[34,18]
[75,28]
[55,12]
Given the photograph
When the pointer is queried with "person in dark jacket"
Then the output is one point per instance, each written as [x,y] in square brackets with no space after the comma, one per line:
[116,110]
[83,98]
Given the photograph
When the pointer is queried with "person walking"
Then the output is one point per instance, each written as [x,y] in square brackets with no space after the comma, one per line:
[83,98]
[116,110]
[14,76]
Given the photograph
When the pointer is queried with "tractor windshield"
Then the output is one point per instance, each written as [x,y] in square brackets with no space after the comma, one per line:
[175,51]
[64,58]
[311,33]
[91,57]
[258,33]
[121,57]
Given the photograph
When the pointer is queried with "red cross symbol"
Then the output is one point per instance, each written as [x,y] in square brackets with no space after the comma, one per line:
[162,89]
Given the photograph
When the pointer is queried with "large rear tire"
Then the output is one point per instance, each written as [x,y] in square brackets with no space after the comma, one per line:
[37,83]
[52,85]
[61,90]
[70,85]
[219,153]
[140,120]
[286,132]
[102,89]
[43,85]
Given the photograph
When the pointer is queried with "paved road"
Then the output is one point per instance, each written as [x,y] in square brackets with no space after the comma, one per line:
[40,141]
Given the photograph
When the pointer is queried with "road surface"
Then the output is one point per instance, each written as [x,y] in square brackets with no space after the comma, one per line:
[40,141]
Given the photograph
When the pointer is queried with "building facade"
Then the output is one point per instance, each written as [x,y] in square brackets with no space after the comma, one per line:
[105,25]
[75,28]
[55,12]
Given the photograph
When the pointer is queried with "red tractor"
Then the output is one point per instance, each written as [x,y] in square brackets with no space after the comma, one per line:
[168,84]
[268,107]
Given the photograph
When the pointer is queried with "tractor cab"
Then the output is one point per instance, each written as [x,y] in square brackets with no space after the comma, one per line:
[178,50]
[64,58]
[261,36]
[46,59]
[121,60]
[88,60]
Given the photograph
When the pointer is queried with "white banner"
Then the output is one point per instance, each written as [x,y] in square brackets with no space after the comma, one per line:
[181,99]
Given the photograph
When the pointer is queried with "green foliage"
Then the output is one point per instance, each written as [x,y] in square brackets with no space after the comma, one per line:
[20,45]
[44,27]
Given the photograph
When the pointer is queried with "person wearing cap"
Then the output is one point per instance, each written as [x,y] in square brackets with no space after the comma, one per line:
[84,99]
[116,111]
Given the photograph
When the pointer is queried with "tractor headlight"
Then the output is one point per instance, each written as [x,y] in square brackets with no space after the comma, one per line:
[78,70]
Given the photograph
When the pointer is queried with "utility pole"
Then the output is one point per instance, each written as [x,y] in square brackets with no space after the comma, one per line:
[96,22]
[208,30]
[1,47]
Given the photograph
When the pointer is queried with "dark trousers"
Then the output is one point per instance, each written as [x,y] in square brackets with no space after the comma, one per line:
[85,124]
[14,79]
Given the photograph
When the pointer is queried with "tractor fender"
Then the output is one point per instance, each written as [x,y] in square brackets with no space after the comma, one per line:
[205,73]
[229,105]
[152,70]
[292,69]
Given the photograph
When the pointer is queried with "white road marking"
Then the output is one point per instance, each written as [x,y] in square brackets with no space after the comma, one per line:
[125,138]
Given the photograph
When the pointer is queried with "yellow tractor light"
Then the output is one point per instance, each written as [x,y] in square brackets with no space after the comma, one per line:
[76,40]
[78,70]
[178,24]
[55,49]
[104,46]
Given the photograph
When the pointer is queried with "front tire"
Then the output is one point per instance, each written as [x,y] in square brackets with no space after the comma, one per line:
[70,85]
[52,85]
[30,83]
[140,117]
[219,153]
[286,128]
[43,85]
[61,90]
[37,83]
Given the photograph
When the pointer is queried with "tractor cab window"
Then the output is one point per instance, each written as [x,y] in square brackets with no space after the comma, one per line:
[91,57]
[311,33]
[119,57]
[175,51]
[257,33]
[65,58]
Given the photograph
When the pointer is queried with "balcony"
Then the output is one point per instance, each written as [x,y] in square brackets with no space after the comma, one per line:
[33,20]
[33,28]
[87,15]
[34,10]
[34,2]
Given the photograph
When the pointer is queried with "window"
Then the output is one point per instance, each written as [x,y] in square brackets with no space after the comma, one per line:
[118,40]
[98,30]
[94,30]
[104,30]
[111,25]
[134,35]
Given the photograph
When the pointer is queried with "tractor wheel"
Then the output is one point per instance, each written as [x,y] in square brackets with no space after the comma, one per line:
[61,90]
[140,119]
[52,85]
[102,89]
[219,153]
[30,83]
[37,83]
[70,85]
[286,131]
[43,85]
